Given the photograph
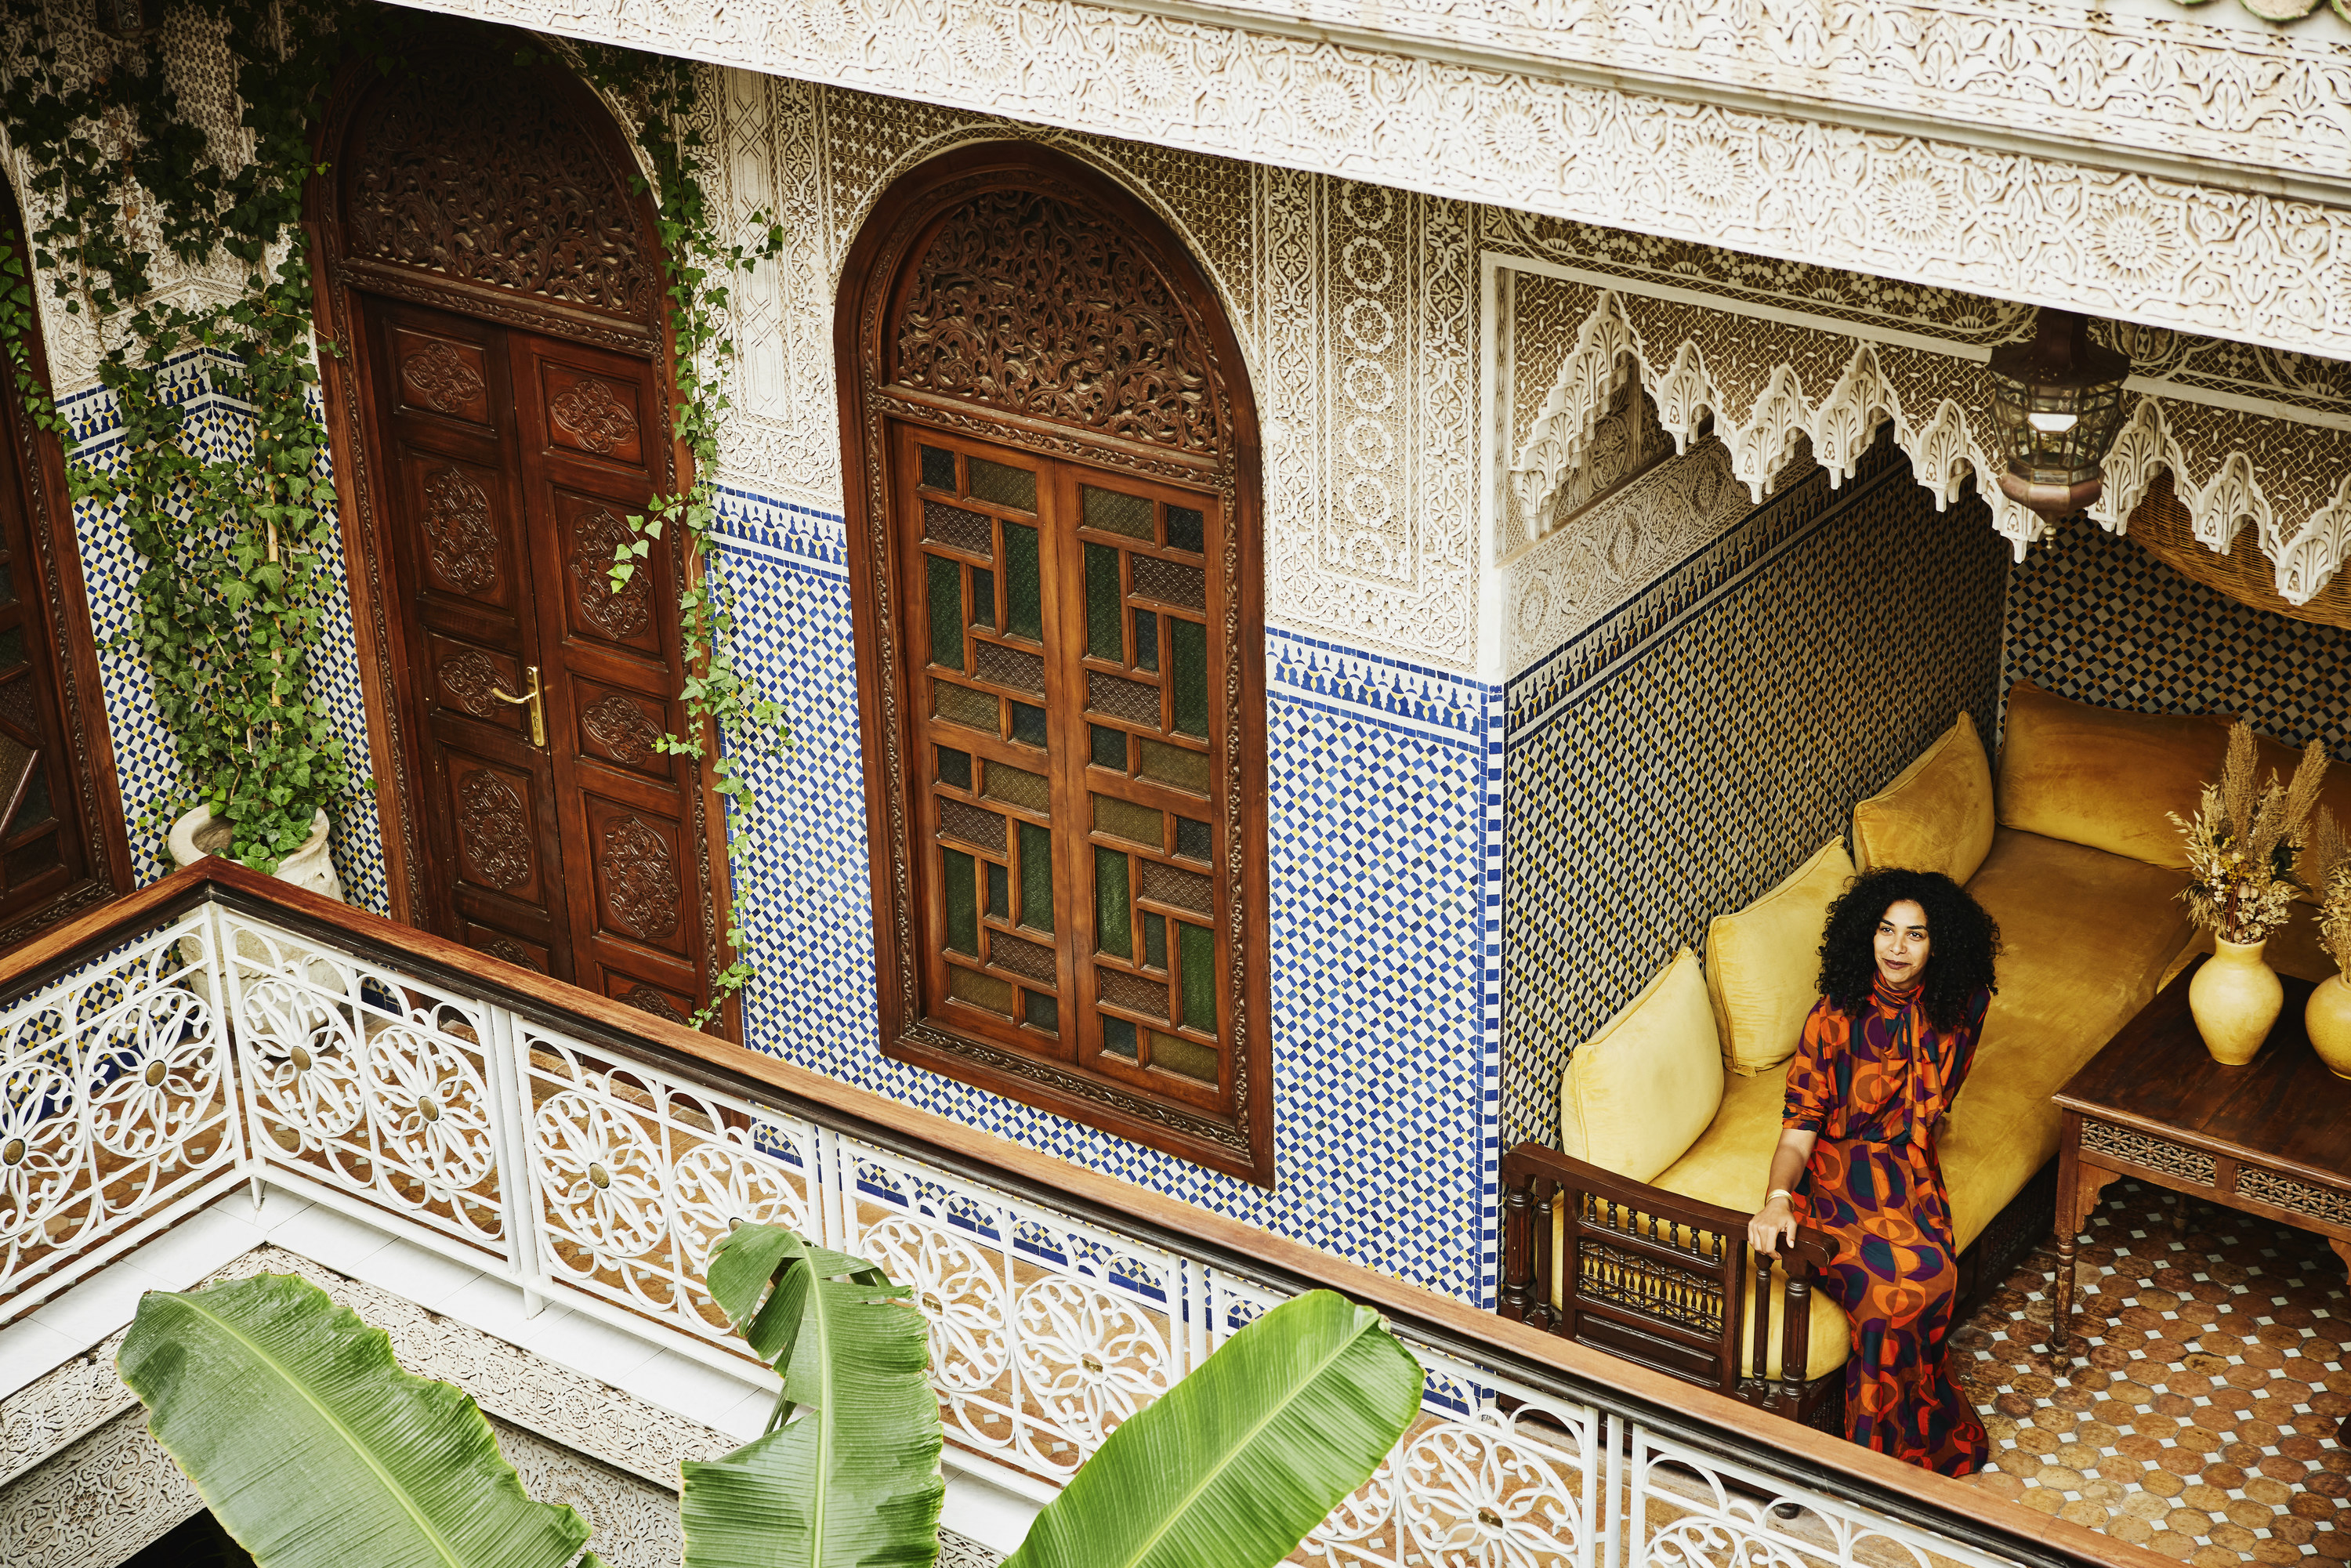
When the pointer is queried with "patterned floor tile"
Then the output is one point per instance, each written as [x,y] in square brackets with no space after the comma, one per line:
[2200,1415]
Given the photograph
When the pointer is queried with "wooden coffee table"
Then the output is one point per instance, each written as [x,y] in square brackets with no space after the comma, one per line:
[2272,1137]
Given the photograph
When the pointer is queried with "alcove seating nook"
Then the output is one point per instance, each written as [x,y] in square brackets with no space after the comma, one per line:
[1629,1236]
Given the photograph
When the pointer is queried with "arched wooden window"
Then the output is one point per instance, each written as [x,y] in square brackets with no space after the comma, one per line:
[1053,533]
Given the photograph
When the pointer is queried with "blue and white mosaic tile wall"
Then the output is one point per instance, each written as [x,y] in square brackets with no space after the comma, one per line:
[1384,842]
[144,755]
[1690,750]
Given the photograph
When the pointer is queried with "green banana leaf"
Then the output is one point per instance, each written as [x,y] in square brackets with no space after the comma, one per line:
[313,1449]
[1234,1465]
[848,1475]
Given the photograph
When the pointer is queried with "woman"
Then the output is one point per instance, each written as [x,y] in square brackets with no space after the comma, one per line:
[1906,976]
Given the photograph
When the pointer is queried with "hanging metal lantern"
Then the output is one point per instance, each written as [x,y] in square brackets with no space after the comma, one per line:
[2058,401]
[127,20]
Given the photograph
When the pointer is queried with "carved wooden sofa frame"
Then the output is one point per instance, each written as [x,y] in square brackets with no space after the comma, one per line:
[1655,1278]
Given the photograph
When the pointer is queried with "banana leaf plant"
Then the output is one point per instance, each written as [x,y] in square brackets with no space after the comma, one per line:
[313,1449]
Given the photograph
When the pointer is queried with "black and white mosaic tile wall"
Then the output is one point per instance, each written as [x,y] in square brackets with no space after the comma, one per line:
[1694,746]
[2098,619]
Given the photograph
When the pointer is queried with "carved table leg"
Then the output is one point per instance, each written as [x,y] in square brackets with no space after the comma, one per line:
[2079,1186]
[2341,1249]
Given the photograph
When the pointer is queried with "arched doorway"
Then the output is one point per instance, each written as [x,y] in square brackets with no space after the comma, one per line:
[504,403]
[63,847]
[1055,555]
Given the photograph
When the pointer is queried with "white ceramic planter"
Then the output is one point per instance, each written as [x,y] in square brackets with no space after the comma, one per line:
[309,867]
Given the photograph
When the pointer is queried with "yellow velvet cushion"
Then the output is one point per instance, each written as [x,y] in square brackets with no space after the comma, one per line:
[1937,815]
[2103,777]
[1762,963]
[1640,1092]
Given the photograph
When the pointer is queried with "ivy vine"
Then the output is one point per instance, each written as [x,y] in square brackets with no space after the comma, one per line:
[233,523]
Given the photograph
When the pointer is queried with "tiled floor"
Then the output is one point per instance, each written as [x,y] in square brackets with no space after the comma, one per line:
[2202,1422]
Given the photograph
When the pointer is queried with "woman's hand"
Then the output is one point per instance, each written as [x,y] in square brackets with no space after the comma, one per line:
[1775,1225]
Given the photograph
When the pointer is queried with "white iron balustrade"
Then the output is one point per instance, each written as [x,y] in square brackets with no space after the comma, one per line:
[595,1175]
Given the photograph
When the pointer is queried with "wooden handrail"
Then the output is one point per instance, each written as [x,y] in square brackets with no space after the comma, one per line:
[1669,1406]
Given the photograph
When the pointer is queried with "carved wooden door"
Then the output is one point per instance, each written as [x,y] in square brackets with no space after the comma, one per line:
[558,827]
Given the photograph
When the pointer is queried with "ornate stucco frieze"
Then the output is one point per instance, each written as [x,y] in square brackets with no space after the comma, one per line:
[1760,386]
[2158,170]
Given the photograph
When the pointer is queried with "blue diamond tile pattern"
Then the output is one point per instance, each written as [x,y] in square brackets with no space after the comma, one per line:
[219,427]
[1383,858]
[1676,759]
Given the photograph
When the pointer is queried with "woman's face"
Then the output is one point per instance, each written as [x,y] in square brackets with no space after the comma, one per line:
[1902,943]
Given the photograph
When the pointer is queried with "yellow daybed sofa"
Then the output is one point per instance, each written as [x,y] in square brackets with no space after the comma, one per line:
[2071,850]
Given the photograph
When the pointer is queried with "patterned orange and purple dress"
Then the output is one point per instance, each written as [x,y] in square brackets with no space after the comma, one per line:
[1874,1087]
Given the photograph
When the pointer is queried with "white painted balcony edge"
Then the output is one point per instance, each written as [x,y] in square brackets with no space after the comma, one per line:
[156,1061]
[2148,168]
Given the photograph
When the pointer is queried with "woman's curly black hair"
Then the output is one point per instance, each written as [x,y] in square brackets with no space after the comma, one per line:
[1962,942]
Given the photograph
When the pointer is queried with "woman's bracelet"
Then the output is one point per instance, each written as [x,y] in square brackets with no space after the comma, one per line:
[1776,1192]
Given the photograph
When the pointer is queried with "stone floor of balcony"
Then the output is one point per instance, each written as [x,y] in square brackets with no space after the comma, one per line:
[2204,1420]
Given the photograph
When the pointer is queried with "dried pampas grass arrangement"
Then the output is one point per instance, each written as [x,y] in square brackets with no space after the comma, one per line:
[2242,840]
[2331,863]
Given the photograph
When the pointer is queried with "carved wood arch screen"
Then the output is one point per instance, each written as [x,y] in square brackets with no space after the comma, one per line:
[1054,547]
[502,404]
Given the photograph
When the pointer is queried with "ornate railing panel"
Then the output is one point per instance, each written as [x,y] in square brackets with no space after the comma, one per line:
[597,1165]
[634,1175]
[370,1082]
[117,1113]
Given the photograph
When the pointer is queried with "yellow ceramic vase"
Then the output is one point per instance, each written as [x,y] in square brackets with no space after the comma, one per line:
[2328,1017]
[2235,998]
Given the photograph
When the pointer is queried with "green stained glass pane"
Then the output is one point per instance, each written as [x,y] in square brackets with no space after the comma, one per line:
[1003,484]
[938,468]
[1118,1038]
[961,705]
[1154,941]
[1183,1056]
[1196,948]
[1018,786]
[962,903]
[947,612]
[1191,839]
[1113,513]
[1164,764]
[1136,825]
[1184,529]
[1037,877]
[1103,640]
[1029,725]
[1146,640]
[980,990]
[1041,1011]
[983,598]
[999,892]
[1113,924]
[7,584]
[955,767]
[1023,613]
[1188,644]
[1109,746]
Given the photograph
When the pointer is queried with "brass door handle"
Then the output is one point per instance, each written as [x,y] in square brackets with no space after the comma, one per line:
[536,697]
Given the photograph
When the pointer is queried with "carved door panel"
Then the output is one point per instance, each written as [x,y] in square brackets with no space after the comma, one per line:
[591,431]
[459,545]
[558,831]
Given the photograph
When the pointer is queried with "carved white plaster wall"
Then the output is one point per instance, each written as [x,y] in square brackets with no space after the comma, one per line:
[2146,227]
